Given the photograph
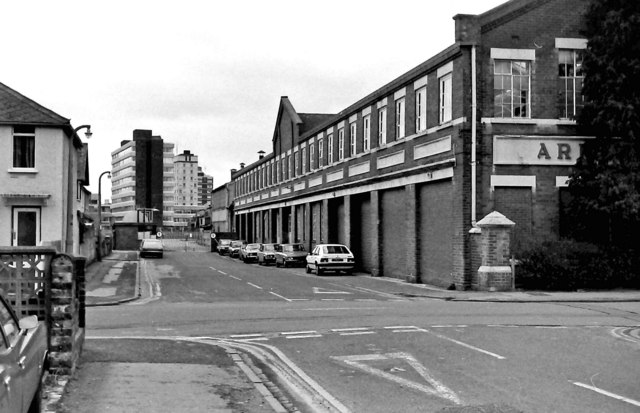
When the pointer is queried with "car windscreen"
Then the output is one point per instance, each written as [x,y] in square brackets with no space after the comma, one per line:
[269,247]
[253,246]
[236,243]
[292,248]
[336,249]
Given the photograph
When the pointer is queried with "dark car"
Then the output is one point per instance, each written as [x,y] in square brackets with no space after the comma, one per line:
[23,355]
[267,254]
[234,248]
[291,255]
[151,248]
[223,246]
[249,252]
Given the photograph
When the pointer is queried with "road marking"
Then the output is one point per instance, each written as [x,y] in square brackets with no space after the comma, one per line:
[235,278]
[222,272]
[337,309]
[365,299]
[607,393]
[338,330]
[357,333]
[434,387]
[279,296]
[469,346]
[392,327]
[245,335]
[213,269]
[332,299]
[300,334]
[318,290]
[256,286]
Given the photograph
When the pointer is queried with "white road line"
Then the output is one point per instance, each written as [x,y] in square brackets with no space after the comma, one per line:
[365,299]
[256,286]
[279,296]
[392,327]
[357,333]
[406,331]
[469,346]
[253,339]
[299,332]
[607,393]
[213,269]
[245,335]
[222,272]
[332,299]
[337,309]
[304,336]
[235,278]
[338,330]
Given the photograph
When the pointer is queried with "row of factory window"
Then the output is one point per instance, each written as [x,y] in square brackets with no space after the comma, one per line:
[512,99]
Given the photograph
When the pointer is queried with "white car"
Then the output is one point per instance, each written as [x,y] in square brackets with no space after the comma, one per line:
[330,257]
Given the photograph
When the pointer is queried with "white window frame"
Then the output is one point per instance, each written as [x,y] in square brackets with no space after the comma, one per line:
[20,136]
[330,148]
[304,160]
[366,132]
[340,144]
[320,152]
[421,109]
[400,117]
[312,154]
[445,101]
[382,126]
[352,138]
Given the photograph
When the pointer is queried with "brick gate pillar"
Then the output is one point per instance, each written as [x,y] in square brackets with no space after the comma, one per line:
[495,272]
[308,218]
[411,228]
[376,234]
[279,225]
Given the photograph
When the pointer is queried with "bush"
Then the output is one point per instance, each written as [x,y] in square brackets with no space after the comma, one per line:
[568,265]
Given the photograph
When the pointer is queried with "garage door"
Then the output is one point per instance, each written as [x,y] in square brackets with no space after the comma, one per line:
[394,237]
[435,233]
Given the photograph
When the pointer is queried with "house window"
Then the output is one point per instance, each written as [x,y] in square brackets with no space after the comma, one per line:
[320,152]
[304,160]
[421,109]
[340,144]
[289,166]
[382,126]
[352,139]
[400,118]
[296,166]
[330,148]
[366,127]
[511,88]
[24,147]
[312,154]
[570,82]
[445,83]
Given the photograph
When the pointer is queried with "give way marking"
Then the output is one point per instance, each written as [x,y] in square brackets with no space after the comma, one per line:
[433,386]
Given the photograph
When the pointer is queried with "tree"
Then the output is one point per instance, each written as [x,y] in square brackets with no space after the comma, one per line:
[605,183]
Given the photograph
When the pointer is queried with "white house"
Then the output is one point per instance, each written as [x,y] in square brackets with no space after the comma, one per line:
[43,170]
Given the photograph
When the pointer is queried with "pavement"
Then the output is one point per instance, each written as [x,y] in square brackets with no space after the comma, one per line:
[150,386]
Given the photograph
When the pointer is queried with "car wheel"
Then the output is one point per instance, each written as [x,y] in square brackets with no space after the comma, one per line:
[318,270]
[308,269]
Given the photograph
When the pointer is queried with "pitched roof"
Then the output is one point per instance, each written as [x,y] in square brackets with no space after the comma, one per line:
[311,120]
[16,108]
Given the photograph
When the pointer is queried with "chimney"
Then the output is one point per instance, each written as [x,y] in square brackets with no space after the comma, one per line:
[261,154]
[241,165]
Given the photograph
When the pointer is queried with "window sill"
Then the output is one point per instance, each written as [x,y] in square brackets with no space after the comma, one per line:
[22,170]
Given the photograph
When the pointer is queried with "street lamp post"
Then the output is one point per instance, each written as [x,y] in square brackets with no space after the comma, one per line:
[99,255]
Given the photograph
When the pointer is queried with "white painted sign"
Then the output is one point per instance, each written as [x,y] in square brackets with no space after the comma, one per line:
[432,386]
[536,150]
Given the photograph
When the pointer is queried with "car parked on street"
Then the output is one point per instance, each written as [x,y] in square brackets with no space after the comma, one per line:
[330,257]
[151,247]
[23,357]
[223,246]
[290,255]
[267,254]
[234,248]
[249,253]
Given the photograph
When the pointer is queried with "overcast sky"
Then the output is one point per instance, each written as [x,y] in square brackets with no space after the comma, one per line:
[208,75]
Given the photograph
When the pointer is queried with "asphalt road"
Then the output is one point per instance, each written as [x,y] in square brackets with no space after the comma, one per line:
[373,346]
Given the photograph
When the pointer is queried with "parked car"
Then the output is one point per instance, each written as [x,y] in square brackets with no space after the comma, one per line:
[223,246]
[234,248]
[249,252]
[330,257]
[23,357]
[267,254]
[151,247]
[290,254]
